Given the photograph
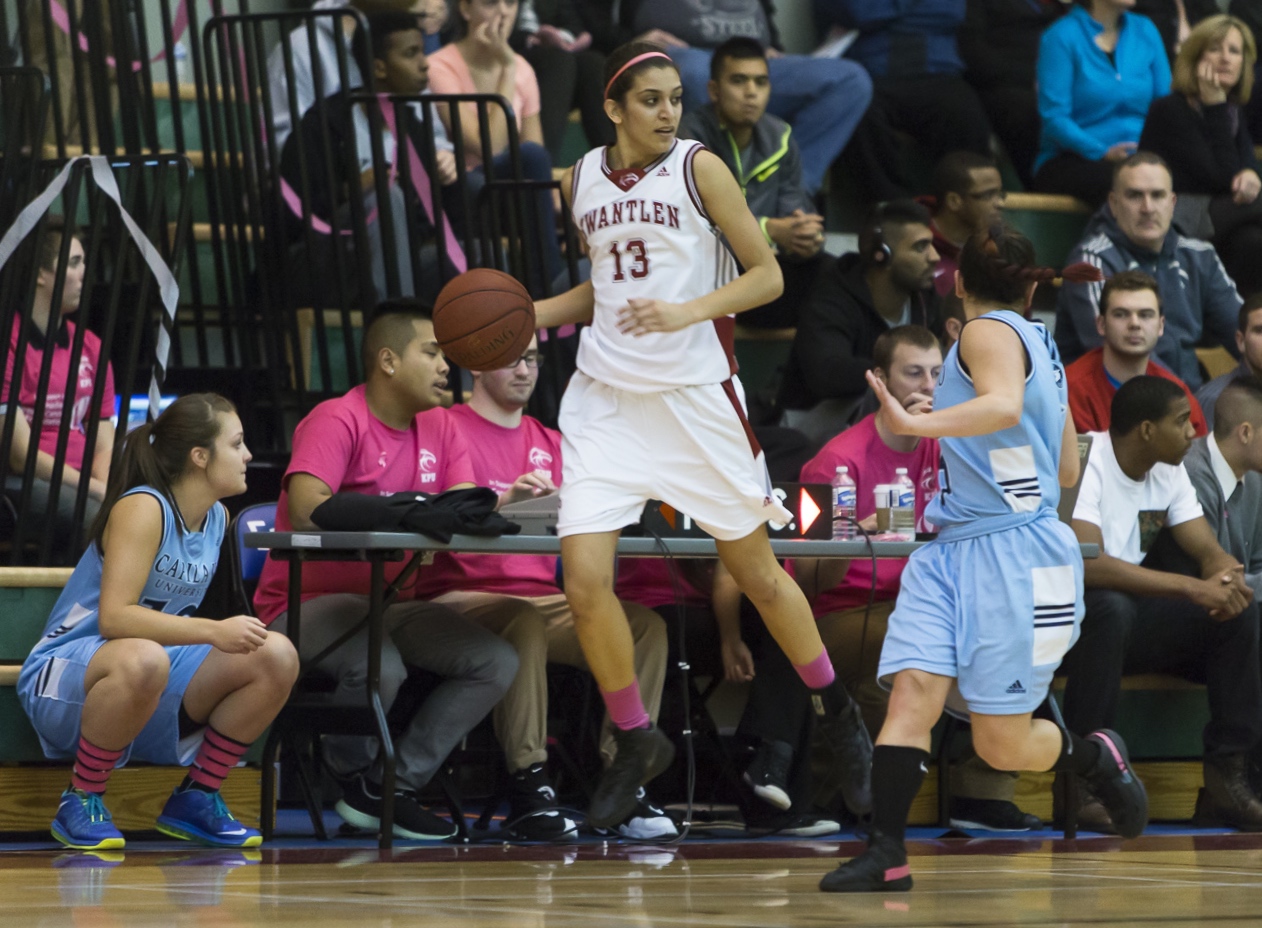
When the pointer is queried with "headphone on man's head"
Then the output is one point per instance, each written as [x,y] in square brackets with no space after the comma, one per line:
[877,251]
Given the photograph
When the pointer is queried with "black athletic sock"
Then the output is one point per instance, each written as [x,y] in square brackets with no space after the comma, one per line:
[1077,755]
[897,773]
[189,783]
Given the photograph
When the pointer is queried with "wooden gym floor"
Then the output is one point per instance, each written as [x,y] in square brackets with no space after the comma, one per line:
[1172,879]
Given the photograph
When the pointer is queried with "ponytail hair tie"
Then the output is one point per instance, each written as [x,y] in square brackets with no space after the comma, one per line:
[1081,273]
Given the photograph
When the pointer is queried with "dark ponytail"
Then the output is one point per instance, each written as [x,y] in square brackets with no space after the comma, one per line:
[157,453]
[997,265]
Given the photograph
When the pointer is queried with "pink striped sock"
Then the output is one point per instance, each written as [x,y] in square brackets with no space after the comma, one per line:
[818,673]
[92,767]
[218,755]
[626,708]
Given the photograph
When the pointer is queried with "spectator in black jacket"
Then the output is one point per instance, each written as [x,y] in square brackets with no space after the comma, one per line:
[552,37]
[1174,19]
[1250,12]
[1201,132]
[856,298]
[999,42]
[910,49]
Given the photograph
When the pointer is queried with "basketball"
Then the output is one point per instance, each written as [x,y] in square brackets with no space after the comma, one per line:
[484,319]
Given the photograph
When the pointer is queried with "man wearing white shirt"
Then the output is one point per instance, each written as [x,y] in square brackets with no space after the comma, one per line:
[1144,619]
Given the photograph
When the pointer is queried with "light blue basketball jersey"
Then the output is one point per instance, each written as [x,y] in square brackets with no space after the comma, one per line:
[1013,471]
[178,579]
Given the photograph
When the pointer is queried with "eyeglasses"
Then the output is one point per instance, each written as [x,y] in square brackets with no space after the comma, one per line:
[531,359]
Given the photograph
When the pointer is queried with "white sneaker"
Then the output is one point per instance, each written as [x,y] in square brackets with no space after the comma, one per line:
[812,825]
[797,825]
[646,822]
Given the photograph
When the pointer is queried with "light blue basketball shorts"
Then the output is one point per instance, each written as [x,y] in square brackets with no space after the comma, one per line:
[994,610]
[52,693]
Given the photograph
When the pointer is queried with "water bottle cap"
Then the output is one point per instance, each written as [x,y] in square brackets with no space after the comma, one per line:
[842,469]
[900,470]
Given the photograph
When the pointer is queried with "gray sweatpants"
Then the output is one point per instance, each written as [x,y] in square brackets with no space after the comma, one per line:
[477,666]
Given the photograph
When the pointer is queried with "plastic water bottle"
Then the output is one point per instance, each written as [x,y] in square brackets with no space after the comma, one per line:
[183,63]
[903,505]
[845,497]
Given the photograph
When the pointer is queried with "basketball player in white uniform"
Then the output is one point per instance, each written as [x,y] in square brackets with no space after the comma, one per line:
[655,410]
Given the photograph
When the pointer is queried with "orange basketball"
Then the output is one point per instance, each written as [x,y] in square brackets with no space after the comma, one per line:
[484,319]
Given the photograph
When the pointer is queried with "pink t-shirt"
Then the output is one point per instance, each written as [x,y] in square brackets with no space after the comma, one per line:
[647,581]
[871,462]
[499,456]
[352,451]
[449,73]
[55,401]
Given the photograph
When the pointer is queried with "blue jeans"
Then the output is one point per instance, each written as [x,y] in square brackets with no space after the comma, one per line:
[822,98]
[536,164]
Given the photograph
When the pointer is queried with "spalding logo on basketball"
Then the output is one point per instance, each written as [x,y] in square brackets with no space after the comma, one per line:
[484,319]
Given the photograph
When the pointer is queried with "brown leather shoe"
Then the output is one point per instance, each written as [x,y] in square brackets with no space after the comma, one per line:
[1092,816]
[1227,798]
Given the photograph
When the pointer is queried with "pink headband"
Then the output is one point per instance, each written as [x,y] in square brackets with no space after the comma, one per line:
[636,60]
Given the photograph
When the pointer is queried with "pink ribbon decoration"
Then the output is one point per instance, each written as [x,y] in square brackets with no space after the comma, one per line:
[421,184]
[179,26]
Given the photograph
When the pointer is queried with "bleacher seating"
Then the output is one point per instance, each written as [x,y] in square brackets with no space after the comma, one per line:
[1162,717]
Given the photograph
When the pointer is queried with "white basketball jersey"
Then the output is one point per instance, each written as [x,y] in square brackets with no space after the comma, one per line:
[648,236]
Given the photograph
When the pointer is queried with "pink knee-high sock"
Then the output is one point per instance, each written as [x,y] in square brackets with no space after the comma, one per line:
[92,767]
[217,755]
[626,708]
[818,673]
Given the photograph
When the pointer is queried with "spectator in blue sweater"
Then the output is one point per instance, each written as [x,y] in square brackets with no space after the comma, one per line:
[918,87]
[1099,69]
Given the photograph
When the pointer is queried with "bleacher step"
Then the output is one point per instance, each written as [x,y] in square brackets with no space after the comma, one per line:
[29,795]
[1171,785]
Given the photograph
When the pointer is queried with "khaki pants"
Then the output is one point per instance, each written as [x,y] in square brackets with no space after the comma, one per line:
[80,127]
[541,629]
[855,657]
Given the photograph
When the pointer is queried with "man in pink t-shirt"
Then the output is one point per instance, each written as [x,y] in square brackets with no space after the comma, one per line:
[53,335]
[373,442]
[909,361]
[517,597]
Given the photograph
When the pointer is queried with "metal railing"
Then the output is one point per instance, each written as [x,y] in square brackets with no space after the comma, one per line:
[119,307]
[24,94]
[116,85]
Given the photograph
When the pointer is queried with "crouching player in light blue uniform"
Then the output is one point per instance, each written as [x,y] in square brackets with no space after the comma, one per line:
[125,668]
[987,611]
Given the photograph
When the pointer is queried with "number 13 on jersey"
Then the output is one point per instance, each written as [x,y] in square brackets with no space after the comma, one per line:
[637,253]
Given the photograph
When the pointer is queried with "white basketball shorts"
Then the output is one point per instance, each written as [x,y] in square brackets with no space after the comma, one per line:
[690,447]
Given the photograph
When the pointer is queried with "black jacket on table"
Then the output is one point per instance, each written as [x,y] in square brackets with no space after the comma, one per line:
[1205,146]
[836,332]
